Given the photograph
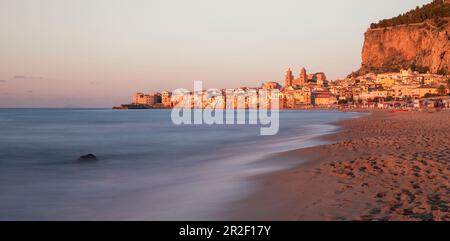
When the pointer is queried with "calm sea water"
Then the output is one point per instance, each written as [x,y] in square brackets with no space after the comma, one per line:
[148,168]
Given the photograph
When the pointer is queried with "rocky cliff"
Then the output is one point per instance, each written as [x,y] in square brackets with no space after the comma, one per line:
[419,46]
[403,42]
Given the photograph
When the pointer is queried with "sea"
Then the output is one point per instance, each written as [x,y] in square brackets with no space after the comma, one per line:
[147,169]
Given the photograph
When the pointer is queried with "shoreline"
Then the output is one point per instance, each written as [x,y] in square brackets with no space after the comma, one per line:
[382,166]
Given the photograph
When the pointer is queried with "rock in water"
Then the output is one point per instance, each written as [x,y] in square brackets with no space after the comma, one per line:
[88,157]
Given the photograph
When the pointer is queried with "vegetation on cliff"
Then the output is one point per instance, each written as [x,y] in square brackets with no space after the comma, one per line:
[435,10]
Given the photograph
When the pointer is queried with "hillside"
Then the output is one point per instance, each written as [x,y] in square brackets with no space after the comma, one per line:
[399,44]
[435,10]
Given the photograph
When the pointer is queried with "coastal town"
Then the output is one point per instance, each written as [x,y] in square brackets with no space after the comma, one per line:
[226,120]
[406,89]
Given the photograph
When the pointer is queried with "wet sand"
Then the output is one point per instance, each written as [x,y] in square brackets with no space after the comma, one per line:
[384,166]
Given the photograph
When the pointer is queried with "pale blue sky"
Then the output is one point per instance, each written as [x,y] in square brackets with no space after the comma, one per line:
[96,53]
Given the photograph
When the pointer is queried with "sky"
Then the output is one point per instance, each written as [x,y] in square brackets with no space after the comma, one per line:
[97,53]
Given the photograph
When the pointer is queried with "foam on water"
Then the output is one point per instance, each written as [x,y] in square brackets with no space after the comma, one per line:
[149,169]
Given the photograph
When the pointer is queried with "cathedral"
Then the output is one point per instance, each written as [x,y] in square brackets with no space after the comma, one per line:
[303,78]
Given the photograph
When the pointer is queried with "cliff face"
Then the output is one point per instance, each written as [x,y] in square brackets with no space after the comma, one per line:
[421,46]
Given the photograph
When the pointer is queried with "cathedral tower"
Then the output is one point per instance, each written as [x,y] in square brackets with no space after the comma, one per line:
[288,78]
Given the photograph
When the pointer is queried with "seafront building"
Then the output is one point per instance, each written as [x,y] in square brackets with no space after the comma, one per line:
[143,99]
[311,91]
[166,99]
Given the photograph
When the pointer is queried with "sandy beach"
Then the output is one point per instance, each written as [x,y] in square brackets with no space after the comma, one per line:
[384,166]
